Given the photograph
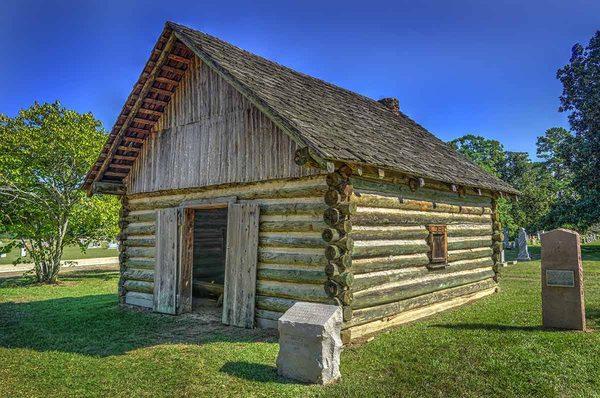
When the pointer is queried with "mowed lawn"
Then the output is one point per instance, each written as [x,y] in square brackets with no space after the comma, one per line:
[73,340]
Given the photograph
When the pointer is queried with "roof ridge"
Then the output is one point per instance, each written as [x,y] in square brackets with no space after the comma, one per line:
[175,25]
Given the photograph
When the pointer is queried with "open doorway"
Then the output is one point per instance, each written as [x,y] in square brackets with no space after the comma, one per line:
[208,260]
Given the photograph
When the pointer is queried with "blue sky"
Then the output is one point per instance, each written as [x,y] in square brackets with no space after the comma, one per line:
[457,67]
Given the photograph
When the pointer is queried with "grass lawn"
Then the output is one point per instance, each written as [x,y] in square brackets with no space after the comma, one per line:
[73,340]
[70,253]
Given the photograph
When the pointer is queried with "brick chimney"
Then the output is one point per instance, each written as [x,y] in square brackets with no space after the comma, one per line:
[391,103]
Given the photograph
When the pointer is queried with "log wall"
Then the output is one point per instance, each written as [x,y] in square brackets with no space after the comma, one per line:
[210,134]
[291,259]
[387,280]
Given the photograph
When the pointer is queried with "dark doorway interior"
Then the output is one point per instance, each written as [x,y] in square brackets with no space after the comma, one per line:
[210,234]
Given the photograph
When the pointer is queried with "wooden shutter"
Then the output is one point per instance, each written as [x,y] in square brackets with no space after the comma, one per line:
[240,265]
[438,245]
[165,270]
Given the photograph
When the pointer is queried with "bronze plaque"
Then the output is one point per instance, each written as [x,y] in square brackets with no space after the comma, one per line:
[560,278]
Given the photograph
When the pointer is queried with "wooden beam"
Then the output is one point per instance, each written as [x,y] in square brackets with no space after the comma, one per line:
[120,166]
[134,139]
[179,58]
[129,148]
[167,80]
[155,101]
[144,121]
[138,130]
[177,71]
[109,188]
[123,157]
[144,91]
[150,112]
[161,91]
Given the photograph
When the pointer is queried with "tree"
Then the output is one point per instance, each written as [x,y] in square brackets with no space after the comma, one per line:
[556,148]
[581,98]
[487,154]
[537,186]
[45,151]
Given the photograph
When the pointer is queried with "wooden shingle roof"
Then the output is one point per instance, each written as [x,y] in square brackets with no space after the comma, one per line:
[335,123]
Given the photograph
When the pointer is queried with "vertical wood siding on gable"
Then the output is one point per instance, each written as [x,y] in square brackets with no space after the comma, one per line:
[210,134]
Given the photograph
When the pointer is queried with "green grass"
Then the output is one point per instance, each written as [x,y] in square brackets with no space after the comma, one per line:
[73,340]
[70,253]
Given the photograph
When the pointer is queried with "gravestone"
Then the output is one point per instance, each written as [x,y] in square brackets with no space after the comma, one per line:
[310,343]
[562,280]
[522,246]
[506,240]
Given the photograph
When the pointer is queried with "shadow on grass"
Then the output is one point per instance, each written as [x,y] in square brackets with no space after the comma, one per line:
[255,372]
[489,326]
[97,325]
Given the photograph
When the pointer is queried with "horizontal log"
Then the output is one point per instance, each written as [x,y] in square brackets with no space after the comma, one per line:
[369,314]
[140,251]
[292,256]
[290,239]
[140,242]
[379,248]
[384,187]
[469,242]
[265,314]
[369,280]
[456,230]
[142,216]
[139,275]
[402,290]
[389,232]
[314,276]
[140,262]
[296,291]
[380,216]
[315,209]
[360,331]
[139,299]
[364,265]
[261,323]
[292,226]
[285,188]
[396,202]
[108,188]
[138,286]
[146,228]
[274,303]
[201,288]
[466,254]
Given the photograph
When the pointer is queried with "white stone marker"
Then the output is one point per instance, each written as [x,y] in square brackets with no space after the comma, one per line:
[310,343]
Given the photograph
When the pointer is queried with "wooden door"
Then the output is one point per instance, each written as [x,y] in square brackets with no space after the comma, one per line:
[240,265]
[165,270]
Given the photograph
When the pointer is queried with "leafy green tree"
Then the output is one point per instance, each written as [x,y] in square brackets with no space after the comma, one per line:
[488,154]
[45,151]
[537,186]
[581,99]
[556,148]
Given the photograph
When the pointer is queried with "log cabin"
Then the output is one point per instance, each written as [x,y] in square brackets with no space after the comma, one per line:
[251,184]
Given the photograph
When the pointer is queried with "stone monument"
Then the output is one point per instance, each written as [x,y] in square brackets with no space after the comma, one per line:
[506,240]
[562,280]
[522,246]
[310,343]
